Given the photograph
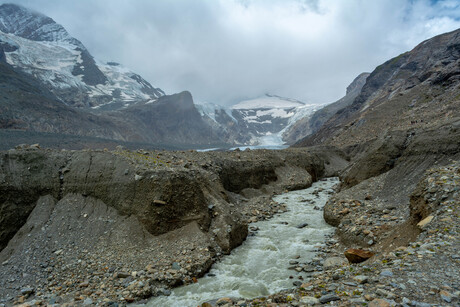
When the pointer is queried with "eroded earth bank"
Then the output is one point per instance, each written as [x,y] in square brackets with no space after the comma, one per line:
[100,227]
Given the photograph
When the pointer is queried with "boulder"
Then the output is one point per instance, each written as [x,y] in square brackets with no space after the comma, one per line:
[357,255]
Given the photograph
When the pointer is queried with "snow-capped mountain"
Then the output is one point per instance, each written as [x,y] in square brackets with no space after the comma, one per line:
[258,121]
[39,46]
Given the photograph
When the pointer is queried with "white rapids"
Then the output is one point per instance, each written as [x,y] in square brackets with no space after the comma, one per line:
[260,265]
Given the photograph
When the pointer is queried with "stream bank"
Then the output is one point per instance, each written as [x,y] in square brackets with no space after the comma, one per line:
[101,227]
[278,256]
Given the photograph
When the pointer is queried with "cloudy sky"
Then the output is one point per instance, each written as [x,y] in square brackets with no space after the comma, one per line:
[225,50]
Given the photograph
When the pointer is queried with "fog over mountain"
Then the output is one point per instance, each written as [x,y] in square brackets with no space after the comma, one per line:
[229,50]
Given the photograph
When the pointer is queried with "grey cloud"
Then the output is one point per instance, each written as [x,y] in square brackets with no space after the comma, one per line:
[222,50]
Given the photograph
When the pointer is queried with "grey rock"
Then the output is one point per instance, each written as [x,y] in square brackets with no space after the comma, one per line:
[309,300]
[303,225]
[175,266]
[349,283]
[297,283]
[385,293]
[328,298]
[386,273]
[362,279]
[27,290]
[334,262]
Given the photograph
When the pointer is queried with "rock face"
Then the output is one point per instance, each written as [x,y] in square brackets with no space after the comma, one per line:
[312,123]
[406,93]
[171,120]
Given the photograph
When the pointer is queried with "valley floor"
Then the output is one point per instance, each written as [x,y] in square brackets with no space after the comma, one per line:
[80,247]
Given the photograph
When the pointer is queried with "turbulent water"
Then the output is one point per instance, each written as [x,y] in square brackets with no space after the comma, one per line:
[260,265]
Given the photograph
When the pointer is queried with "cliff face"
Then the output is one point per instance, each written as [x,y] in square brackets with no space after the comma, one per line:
[310,124]
[408,92]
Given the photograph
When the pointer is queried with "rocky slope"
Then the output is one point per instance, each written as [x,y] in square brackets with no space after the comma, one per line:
[312,123]
[406,93]
[81,226]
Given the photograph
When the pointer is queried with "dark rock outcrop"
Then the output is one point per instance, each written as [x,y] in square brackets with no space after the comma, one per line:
[310,124]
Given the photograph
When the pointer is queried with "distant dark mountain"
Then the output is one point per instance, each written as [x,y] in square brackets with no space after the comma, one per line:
[310,124]
[24,105]
[51,84]
[39,46]
[172,118]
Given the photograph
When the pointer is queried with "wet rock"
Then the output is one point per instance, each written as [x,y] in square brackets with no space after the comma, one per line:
[303,225]
[223,301]
[357,255]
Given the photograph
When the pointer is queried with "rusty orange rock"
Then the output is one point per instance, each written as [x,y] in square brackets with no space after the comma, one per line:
[357,255]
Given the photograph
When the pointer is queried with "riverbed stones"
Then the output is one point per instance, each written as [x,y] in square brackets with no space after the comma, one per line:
[223,301]
[27,290]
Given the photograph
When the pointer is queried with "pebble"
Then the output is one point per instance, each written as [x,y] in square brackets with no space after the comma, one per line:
[27,291]
[362,279]
[386,273]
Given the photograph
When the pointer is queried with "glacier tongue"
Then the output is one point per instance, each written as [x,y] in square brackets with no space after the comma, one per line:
[260,121]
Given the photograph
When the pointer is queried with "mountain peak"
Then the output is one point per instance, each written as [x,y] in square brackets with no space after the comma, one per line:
[26,23]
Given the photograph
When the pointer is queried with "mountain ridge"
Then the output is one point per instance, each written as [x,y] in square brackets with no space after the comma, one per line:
[69,70]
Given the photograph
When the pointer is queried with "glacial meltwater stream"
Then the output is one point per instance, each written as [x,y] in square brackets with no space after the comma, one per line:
[260,265]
